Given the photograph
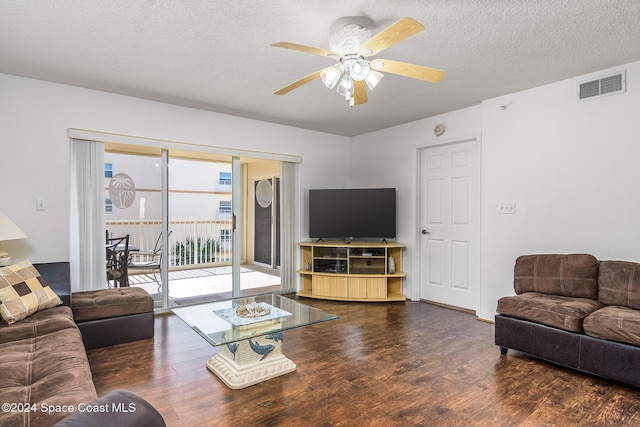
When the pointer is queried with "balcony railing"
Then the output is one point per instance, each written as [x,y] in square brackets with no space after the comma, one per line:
[192,244]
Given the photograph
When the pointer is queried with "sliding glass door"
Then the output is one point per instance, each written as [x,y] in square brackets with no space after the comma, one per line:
[134,207]
[197,211]
[201,226]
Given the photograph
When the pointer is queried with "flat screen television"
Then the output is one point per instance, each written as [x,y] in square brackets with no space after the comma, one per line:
[352,213]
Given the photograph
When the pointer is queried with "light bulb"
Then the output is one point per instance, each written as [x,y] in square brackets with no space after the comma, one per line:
[359,69]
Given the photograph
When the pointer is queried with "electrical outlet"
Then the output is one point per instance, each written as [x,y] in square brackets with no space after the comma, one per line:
[41,204]
[507,208]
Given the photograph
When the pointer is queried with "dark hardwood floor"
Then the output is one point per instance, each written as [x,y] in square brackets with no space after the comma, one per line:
[410,364]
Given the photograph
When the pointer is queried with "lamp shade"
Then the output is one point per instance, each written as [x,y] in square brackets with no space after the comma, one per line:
[345,86]
[331,75]
[373,78]
[9,230]
[359,70]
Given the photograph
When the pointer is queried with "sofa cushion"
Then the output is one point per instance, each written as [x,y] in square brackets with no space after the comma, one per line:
[49,369]
[23,292]
[552,310]
[573,275]
[40,323]
[107,303]
[619,283]
[613,323]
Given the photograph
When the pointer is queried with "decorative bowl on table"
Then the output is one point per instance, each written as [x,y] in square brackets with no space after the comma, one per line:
[252,310]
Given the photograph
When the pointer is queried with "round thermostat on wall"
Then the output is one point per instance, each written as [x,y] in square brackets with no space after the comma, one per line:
[439,129]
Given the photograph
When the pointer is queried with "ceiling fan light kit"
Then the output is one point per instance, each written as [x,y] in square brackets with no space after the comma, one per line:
[354,73]
[351,68]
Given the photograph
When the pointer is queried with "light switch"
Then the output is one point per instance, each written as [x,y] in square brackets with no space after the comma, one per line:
[507,208]
[41,204]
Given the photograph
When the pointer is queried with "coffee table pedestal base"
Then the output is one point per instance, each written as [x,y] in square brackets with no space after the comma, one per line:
[238,365]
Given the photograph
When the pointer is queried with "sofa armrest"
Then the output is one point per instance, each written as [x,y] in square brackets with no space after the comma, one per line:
[120,408]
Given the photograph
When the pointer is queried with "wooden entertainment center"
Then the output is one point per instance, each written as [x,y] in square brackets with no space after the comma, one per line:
[354,271]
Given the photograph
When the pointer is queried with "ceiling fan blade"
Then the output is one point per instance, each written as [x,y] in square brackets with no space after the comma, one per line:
[359,92]
[399,31]
[303,48]
[299,83]
[408,70]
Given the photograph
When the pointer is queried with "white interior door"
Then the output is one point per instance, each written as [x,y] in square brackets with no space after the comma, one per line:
[449,238]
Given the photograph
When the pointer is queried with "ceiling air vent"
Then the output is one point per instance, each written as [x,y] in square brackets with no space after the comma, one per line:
[607,85]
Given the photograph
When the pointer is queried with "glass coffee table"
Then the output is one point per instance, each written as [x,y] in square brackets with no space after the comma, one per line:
[249,331]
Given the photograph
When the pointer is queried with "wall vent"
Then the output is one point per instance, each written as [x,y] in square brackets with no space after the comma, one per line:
[607,85]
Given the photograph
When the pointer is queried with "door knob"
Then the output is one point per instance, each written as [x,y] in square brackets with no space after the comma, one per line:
[424,232]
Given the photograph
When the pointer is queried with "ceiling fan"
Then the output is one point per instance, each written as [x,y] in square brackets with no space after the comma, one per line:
[352,46]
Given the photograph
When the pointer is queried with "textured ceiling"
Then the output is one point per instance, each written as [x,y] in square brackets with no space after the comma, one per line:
[216,55]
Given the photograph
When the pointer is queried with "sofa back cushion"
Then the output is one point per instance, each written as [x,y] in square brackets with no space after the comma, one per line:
[57,275]
[619,284]
[572,275]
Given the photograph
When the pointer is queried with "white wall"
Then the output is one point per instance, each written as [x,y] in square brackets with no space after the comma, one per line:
[34,159]
[387,158]
[572,168]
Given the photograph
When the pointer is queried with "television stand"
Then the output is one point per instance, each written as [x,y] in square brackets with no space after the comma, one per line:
[351,271]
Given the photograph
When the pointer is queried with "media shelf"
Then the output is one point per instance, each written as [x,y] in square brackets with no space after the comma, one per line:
[356,271]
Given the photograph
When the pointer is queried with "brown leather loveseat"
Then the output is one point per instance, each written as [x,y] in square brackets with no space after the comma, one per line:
[575,311]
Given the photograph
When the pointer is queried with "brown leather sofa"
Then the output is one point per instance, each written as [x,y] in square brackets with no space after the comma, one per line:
[575,311]
[46,377]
